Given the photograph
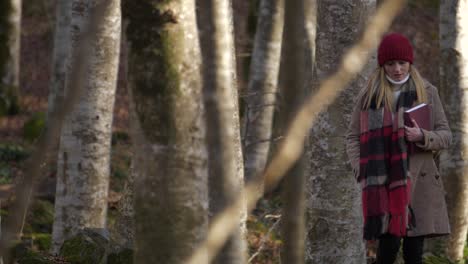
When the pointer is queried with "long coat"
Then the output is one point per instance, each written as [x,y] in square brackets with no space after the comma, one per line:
[427,195]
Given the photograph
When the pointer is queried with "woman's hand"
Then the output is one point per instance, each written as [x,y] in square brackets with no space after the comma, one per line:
[414,134]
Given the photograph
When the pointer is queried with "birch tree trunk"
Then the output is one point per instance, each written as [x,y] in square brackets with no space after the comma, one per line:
[222,119]
[334,227]
[84,153]
[454,86]
[262,88]
[171,194]
[60,54]
[10,37]
[292,80]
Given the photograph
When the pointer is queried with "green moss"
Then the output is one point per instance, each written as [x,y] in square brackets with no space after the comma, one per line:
[82,250]
[438,260]
[123,257]
[12,153]
[41,216]
[32,257]
[42,241]
[5,173]
[152,32]
[23,254]
[33,128]
[8,94]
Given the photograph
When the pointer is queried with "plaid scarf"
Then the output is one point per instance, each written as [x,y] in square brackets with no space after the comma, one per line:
[384,168]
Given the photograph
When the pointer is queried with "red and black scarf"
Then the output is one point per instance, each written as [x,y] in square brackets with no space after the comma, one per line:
[384,168]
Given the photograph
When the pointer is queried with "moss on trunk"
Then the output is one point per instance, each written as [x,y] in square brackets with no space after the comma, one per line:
[151,35]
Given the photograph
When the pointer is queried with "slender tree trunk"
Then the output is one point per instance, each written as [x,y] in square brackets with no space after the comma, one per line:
[171,194]
[334,227]
[293,185]
[84,154]
[262,88]
[10,36]
[454,85]
[60,55]
[222,118]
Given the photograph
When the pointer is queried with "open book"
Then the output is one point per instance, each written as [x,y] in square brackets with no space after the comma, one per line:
[421,114]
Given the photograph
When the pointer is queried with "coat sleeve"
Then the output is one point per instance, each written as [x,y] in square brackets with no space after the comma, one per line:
[352,138]
[440,137]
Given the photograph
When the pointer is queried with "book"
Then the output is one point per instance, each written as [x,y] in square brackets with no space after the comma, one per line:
[421,113]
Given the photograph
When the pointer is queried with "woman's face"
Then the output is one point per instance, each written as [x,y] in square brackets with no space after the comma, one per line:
[397,70]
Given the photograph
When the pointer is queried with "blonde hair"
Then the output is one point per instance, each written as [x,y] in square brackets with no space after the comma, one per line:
[379,89]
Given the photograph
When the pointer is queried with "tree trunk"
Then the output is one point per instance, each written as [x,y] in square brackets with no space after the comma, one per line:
[292,80]
[84,154]
[334,227]
[10,30]
[454,85]
[242,40]
[222,119]
[262,88]
[60,54]
[171,194]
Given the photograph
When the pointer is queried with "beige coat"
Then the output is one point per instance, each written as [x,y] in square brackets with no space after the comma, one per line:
[427,200]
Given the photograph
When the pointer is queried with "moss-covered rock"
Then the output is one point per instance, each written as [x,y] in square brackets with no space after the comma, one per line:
[125,256]
[87,247]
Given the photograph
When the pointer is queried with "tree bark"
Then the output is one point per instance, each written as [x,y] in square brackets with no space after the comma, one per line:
[453,89]
[292,80]
[242,41]
[84,153]
[262,88]
[334,227]
[171,194]
[60,56]
[10,36]
[222,119]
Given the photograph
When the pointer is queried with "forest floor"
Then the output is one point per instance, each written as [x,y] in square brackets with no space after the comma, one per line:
[418,21]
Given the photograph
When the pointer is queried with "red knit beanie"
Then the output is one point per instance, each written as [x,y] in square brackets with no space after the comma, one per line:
[395,47]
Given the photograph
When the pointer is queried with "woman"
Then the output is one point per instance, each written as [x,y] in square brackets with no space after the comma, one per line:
[402,192]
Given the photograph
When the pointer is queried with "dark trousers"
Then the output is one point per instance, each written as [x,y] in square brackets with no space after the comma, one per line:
[389,246]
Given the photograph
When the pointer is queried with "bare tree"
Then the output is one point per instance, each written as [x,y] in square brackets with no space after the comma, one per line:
[293,92]
[453,39]
[84,154]
[222,119]
[334,227]
[170,193]
[60,55]
[260,96]
[10,28]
